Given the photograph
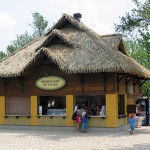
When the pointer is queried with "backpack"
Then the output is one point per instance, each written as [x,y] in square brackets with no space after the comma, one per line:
[74,115]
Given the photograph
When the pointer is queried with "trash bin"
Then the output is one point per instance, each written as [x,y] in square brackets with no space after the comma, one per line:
[139,121]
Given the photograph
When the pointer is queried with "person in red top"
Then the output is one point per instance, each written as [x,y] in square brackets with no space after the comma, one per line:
[78,119]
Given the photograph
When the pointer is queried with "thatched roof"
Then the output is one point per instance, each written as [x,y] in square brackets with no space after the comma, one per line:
[75,49]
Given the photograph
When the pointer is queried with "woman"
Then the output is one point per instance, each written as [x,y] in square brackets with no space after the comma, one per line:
[78,119]
[97,110]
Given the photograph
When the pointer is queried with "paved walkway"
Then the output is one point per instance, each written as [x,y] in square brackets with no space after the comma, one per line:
[11,139]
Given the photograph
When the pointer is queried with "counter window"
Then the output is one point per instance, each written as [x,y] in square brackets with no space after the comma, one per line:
[121,105]
[52,105]
[95,105]
[18,105]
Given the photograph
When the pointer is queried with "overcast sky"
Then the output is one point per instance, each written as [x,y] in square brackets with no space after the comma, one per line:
[100,15]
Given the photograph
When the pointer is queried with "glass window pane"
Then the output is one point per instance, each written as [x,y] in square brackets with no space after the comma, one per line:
[52,105]
[94,104]
[121,105]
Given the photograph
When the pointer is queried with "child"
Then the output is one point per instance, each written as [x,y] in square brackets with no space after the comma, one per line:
[84,121]
[78,121]
[132,123]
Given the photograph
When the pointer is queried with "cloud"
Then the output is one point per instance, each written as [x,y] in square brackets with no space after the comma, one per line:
[6,21]
[7,29]
[93,16]
[103,28]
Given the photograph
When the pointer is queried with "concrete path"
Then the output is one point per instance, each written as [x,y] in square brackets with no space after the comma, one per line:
[24,139]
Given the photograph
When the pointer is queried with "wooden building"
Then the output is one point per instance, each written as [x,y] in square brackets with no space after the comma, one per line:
[70,65]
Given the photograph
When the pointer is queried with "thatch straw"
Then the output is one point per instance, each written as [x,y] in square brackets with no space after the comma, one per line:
[59,34]
[81,51]
[16,63]
[115,40]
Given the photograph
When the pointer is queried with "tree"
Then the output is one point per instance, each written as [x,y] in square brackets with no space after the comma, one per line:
[136,22]
[21,41]
[135,27]
[136,51]
[2,55]
[39,25]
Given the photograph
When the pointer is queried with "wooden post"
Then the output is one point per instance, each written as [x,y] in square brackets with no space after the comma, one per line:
[2,110]
[34,108]
[69,110]
[112,110]
[125,98]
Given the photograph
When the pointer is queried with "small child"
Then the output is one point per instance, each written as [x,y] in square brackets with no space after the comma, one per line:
[84,121]
[132,123]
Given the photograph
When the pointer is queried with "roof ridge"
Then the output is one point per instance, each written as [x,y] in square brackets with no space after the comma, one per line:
[58,33]
[80,26]
[63,36]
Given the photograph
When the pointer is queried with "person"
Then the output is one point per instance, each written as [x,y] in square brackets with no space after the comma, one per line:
[97,110]
[142,110]
[132,123]
[84,121]
[78,119]
[89,112]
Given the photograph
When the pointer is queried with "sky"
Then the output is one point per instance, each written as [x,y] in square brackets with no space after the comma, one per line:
[99,15]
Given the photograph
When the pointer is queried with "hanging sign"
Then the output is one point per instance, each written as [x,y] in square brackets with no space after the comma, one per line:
[50,83]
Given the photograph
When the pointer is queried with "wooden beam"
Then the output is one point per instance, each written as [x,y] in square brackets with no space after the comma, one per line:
[5,83]
[21,81]
[135,82]
[128,80]
[105,81]
[82,81]
[120,76]
[143,82]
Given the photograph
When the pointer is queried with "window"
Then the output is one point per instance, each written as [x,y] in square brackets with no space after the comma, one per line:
[18,105]
[52,105]
[121,105]
[94,104]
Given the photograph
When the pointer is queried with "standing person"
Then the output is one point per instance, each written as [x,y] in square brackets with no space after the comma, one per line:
[84,121]
[132,123]
[89,112]
[78,119]
[97,110]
